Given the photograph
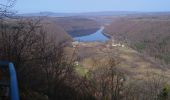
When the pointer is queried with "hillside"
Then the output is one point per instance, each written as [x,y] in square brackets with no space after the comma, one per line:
[149,34]
[65,28]
[132,63]
[76,26]
[55,31]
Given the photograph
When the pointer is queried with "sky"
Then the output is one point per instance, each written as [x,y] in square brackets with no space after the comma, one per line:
[76,6]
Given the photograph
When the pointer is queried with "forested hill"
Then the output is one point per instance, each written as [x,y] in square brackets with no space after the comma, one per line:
[146,34]
[77,26]
[55,30]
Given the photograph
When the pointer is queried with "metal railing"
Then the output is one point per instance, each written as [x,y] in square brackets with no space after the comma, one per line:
[14,93]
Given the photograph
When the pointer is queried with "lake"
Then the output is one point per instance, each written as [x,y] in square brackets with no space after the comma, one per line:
[97,36]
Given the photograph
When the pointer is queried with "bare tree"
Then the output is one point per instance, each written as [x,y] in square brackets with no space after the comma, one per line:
[108,81]
[40,62]
[5,8]
[149,88]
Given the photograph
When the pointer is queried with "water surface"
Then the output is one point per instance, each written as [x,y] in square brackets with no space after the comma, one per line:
[97,36]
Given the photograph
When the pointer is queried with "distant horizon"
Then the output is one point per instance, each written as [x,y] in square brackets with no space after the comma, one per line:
[93,12]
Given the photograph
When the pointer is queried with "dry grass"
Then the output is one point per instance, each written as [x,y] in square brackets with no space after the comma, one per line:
[134,64]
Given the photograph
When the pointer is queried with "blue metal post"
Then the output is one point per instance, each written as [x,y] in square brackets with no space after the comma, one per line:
[13,80]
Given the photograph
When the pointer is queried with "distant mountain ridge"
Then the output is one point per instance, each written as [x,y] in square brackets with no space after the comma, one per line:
[107,13]
[104,13]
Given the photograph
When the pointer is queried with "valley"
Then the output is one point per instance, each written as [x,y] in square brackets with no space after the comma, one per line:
[123,35]
[91,54]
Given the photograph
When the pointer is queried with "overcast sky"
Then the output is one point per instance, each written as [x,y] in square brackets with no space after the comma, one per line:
[30,6]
